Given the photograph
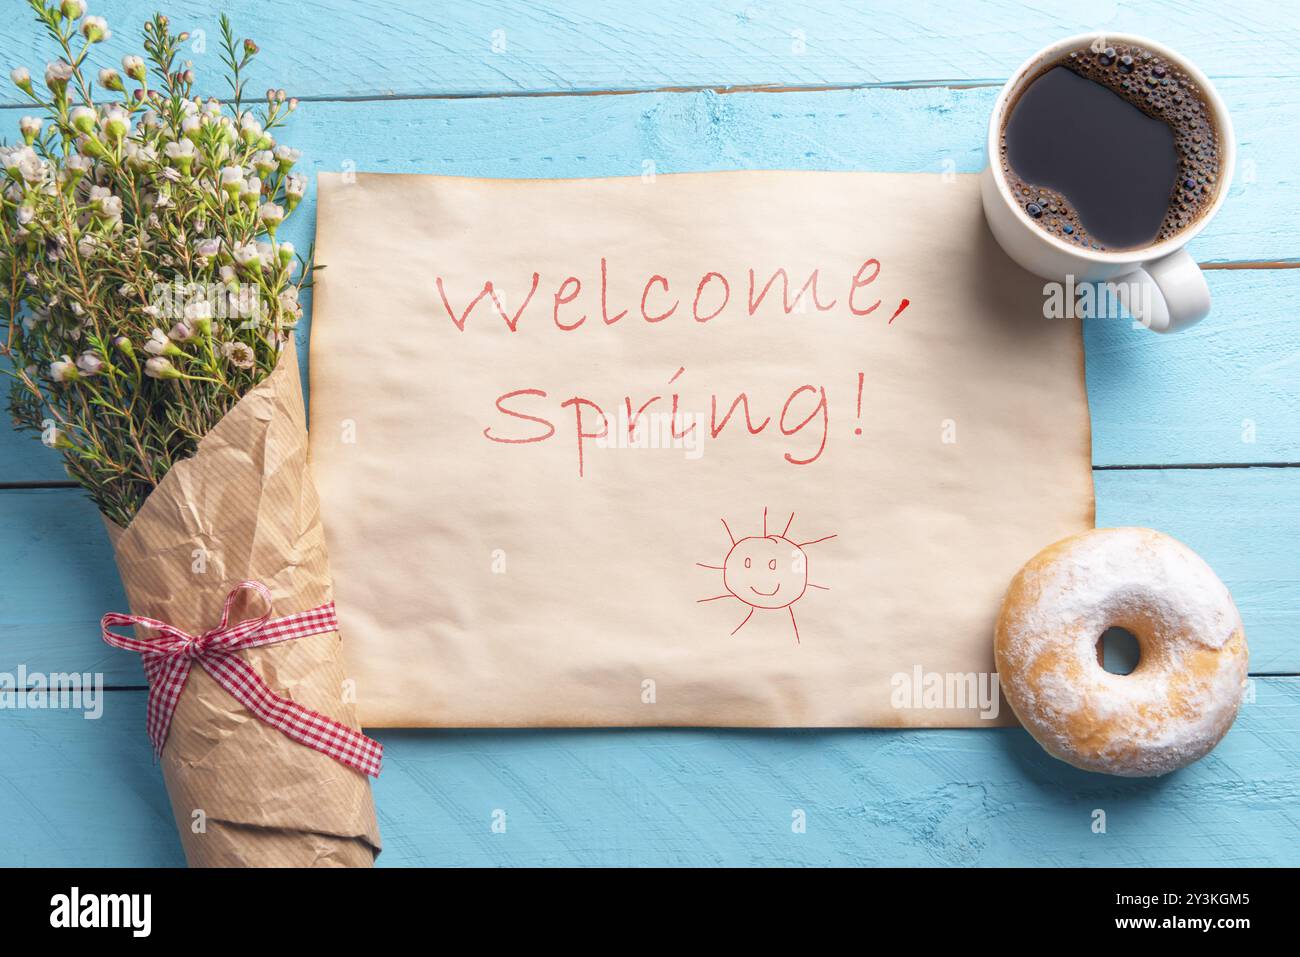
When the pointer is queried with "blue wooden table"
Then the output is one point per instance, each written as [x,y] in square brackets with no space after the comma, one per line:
[1197,434]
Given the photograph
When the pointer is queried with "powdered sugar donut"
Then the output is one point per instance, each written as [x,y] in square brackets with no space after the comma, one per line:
[1183,695]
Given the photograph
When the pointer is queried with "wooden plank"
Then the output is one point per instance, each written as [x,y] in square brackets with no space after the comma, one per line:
[1225,391]
[1189,405]
[84,793]
[337,48]
[60,577]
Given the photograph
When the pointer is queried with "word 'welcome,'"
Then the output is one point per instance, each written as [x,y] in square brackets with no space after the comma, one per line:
[659,300]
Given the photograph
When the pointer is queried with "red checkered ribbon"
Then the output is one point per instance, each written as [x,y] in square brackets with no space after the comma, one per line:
[169,657]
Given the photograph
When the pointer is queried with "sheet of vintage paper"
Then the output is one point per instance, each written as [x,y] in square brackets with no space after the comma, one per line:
[751,448]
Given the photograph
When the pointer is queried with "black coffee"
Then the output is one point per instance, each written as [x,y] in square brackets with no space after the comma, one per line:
[1112,149]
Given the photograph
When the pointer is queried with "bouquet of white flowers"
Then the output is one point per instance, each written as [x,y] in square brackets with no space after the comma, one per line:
[147,310]
[143,286]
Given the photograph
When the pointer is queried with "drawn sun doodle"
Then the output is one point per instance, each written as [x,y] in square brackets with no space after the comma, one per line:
[766,571]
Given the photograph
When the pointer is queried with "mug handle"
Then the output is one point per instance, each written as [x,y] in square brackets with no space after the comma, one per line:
[1167,294]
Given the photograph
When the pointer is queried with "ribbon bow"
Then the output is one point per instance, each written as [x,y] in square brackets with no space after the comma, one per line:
[169,657]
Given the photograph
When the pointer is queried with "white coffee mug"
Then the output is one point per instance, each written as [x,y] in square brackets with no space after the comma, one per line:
[1160,285]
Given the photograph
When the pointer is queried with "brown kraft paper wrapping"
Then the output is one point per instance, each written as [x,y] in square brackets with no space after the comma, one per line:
[495,568]
[244,507]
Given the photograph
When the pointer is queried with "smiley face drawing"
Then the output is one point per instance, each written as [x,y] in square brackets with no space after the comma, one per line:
[766,571]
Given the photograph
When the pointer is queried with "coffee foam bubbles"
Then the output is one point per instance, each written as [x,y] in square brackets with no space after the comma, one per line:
[1162,90]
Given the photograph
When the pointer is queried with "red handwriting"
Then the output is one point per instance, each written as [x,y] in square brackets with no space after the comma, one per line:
[798,420]
[645,294]
[787,303]
[659,302]
[490,291]
[802,416]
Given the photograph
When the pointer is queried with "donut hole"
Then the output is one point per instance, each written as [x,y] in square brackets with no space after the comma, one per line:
[1118,651]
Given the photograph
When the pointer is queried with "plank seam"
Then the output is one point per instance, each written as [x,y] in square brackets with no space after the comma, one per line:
[937,83]
[1195,465]
[933,84]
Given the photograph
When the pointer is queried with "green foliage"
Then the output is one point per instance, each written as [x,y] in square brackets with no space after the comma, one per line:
[142,287]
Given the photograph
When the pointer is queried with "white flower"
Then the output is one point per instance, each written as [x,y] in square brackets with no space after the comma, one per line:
[25,215]
[160,367]
[287,156]
[157,343]
[63,370]
[264,162]
[73,9]
[207,247]
[252,191]
[286,252]
[32,168]
[271,216]
[239,354]
[289,301]
[294,187]
[89,363]
[196,313]
[133,66]
[117,122]
[21,76]
[95,29]
[191,126]
[141,157]
[110,79]
[30,127]
[232,180]
[246,303]
[84,119]
[72,172]
[181,332]
[105,203]
[246,255]
[180,153]
[57,74]
[250,129]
